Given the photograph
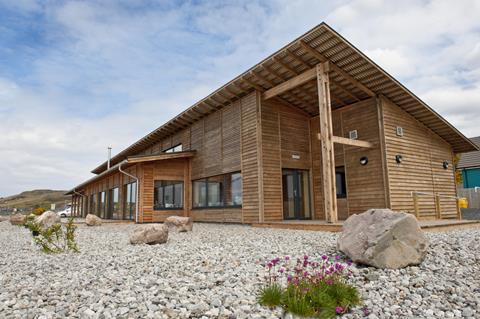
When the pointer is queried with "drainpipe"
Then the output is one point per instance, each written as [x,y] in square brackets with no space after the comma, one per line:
[77,193]
[136,190]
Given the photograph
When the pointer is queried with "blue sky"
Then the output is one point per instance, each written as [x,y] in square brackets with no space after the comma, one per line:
[77,76]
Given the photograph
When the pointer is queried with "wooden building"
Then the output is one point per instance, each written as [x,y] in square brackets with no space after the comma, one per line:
[315,131]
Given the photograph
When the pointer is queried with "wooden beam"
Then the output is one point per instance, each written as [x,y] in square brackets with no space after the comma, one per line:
[290,84]
[326,143]
[350,142]
[335,68]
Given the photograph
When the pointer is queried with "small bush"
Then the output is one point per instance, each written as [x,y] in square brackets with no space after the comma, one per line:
[38,211]
[55,239]
[309,288]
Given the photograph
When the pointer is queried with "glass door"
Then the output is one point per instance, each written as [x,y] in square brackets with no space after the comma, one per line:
[296,194]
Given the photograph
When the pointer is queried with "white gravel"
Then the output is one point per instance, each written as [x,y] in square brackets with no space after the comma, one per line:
[216,271]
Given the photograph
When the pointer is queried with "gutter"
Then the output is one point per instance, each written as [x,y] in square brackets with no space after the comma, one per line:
[137,186]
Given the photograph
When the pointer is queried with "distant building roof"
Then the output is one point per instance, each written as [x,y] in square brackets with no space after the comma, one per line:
[470,159]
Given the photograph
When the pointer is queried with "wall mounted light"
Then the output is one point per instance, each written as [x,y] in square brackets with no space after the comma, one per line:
[364,161]
[445,164]
[398,158]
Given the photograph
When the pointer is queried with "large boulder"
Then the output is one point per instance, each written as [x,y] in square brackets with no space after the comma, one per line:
[149,234]
[180,224]
[383,239]
[47,219]
[93,220]
[18,219]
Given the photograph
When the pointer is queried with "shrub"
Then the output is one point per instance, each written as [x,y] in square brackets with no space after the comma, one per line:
[309,288]
[38,211]
[57,238]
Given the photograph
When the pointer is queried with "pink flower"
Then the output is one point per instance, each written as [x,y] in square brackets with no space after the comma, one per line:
[338,310]
[324,257]
[287,257]
[281,270]
[269,265]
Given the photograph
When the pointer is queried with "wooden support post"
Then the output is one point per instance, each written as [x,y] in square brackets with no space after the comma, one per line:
[415,205]
[326,142]
[437,206]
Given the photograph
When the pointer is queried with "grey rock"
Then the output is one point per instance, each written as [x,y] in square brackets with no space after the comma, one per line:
[383,239]
[93,220]
[179,223]
[149,234]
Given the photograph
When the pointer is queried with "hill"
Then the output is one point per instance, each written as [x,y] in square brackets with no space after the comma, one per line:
[36,198]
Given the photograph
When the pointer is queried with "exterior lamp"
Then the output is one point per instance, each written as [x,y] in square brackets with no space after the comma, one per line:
[364,161]
[445,165]
[398,159]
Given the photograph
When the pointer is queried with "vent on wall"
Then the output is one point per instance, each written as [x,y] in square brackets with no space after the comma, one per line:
[399,131]
[353,135]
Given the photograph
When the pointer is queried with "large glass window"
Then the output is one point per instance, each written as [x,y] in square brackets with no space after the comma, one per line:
[130,197]
[168,195]
[218,191]
[176,148]
[92,204]
[101,205]
[113,204]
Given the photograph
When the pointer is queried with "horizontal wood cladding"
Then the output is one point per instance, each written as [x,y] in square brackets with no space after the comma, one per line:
[365,184]
[176,170]
[225,215]
[421,170]
[285,134]
[181,137]
[250,157]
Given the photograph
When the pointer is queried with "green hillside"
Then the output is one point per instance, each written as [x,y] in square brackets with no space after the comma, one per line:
[37,198]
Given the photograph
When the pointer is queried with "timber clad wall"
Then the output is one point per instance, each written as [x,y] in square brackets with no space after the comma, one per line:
[365,184]
[250,158]
[285,133]
[421,170]
[260,138]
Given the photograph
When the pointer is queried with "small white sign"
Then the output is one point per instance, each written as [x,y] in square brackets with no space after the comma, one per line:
[52,207]
[296,156]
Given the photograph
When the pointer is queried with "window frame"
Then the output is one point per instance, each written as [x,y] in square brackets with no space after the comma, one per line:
[340,170]
[222,191]
[172,149]
[173,183]
[130,202]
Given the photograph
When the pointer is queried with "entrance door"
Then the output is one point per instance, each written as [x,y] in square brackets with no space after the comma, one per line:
[296,194]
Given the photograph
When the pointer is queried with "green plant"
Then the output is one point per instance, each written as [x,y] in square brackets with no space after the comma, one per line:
[271,296]
[308,288]
[55,239]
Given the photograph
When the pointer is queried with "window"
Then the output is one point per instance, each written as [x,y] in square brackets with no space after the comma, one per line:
[113,204]
[92,204]
[340,182]
[130,197]
[101,205]
[176,148]
[168,195]
[218,191]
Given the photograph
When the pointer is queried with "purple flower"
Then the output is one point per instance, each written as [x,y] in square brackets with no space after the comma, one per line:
[287,257]
[269,265]
[289,278]
[366,311]
[338,310]
[337,257]
[324,257]
[281,270]
[349,262]
[305,257]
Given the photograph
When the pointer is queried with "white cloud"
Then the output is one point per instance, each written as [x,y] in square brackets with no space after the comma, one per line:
[109,73]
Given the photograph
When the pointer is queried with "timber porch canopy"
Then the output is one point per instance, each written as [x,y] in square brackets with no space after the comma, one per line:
[317,72]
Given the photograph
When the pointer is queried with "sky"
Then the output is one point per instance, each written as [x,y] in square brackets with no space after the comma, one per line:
[79,76]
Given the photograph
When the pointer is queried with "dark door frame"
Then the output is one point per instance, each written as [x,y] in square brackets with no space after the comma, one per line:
[299,194]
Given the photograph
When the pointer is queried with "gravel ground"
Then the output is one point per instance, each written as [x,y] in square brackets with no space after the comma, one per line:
[215,271]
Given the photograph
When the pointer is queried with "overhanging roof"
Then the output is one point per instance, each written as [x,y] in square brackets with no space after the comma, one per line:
[320,44]
[470,159]
[134,160]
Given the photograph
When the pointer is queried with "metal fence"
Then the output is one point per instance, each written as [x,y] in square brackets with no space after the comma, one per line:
[472,195]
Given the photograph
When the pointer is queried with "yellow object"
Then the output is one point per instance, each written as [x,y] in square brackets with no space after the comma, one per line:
[463,202]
